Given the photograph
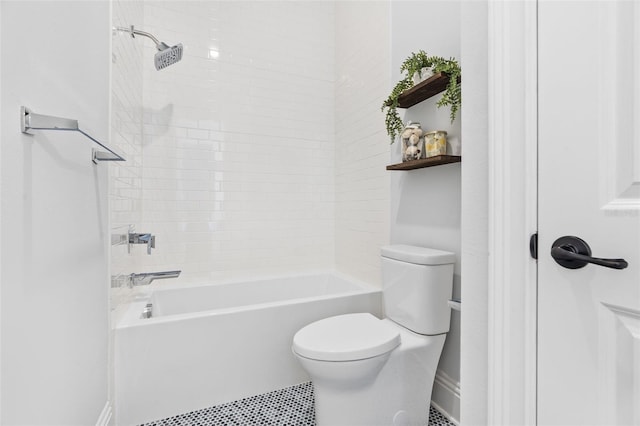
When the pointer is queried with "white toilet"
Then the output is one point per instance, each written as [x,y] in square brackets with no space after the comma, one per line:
[369,371]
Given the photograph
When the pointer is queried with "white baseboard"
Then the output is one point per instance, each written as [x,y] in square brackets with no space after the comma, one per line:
[105,416]
[446,396]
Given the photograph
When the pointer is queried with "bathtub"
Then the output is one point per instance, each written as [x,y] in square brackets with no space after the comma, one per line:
[205,345]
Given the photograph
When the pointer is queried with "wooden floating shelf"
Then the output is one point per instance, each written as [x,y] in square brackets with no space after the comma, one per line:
[426,162]
[424,90]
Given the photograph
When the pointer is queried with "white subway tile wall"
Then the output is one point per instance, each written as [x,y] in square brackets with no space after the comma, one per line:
[125,178]
[362,148]
[262,152]
[238,147]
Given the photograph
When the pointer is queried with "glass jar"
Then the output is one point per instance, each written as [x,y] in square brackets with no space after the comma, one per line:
[436,143]
[412,142]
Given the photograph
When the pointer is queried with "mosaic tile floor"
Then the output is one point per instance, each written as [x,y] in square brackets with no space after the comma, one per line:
[285,407]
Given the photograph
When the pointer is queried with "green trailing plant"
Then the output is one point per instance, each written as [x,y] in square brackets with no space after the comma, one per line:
[452,95]
[392,118]
[415,63]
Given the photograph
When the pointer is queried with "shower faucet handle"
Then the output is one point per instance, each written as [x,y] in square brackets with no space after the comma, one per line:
[151,243]
[148,239]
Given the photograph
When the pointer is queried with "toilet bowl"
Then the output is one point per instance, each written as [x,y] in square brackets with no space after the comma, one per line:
[345,351]
[368,371]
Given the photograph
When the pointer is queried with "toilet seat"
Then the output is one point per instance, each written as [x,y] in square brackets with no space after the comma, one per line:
[346,338]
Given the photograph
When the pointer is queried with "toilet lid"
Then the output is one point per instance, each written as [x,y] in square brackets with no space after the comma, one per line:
[418,255]
[346,338]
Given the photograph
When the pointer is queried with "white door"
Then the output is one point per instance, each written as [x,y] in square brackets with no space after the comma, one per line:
[589,187]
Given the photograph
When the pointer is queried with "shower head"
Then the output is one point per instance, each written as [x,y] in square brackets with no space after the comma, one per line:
[166,55]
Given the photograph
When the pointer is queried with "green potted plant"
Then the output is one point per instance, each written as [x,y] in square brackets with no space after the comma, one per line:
[418,66]
[416,63]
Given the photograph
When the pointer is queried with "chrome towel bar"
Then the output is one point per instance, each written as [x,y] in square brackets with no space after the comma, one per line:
[29,120]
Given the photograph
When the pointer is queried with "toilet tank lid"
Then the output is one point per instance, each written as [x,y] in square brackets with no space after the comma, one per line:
[419,255]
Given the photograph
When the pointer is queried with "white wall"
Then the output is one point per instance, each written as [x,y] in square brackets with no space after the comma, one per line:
[54,325]
[426,203]
[475,213]
[362,152]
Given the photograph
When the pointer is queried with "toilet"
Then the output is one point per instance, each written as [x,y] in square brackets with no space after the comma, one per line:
[368,371]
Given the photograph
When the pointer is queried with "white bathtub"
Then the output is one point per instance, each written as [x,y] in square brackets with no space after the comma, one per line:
[211,344]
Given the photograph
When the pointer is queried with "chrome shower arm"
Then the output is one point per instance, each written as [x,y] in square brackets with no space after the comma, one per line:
[131,30]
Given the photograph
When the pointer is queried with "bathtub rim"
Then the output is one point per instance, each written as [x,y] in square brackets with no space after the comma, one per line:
[131,317]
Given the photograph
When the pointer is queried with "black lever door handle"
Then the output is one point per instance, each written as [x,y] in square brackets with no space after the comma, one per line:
[574,253]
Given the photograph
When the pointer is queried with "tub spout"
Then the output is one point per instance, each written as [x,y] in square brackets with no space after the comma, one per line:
[147,278]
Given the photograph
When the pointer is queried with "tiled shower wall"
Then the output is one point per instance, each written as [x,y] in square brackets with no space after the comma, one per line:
[362,148]
[263,149]
[238,147]
[125,182]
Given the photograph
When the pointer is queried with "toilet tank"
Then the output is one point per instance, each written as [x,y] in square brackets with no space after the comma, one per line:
[416,284]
